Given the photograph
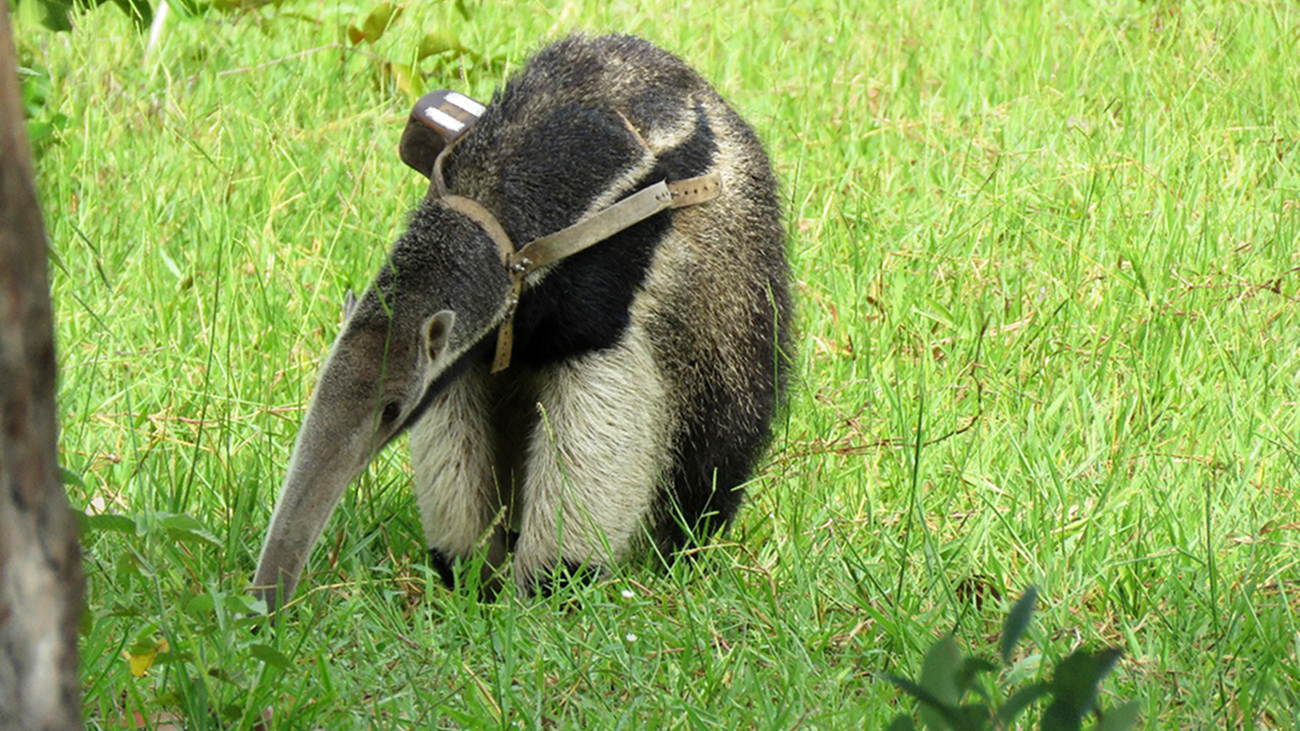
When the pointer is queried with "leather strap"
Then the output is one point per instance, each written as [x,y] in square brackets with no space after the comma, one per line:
[568,241]
[691,191]
[483,217]
[506,332]
[622,215]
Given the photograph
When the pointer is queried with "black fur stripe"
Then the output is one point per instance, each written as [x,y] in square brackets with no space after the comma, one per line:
[584,304]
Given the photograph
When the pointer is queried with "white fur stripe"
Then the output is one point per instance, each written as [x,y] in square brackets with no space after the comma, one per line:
[452,463]
[595,458]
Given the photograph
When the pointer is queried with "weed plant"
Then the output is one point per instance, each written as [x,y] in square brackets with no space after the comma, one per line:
[948,680]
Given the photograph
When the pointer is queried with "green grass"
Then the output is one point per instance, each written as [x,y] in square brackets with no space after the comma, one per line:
[1048,264]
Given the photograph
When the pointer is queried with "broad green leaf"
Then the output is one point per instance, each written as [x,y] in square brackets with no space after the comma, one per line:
[974,717]
[185,527]
[128,565]
[375,24]
[227,675]
[35,87]
[56,14]
[1060,716]
[241,603]
[1120,718]
[1017,622]
[438,41]
[971,668]
[407,78]
[944,715]
[901,723]
[105,522]
[1074,687]
[39,134]
[269,655]
[68,477]
[1018,702]
[257,607]
[53,14]
[202,604]
[939,672]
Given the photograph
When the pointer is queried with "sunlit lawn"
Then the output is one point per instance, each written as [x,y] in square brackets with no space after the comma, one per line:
[1049,289]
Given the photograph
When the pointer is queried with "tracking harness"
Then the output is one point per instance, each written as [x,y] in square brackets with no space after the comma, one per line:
[451,115]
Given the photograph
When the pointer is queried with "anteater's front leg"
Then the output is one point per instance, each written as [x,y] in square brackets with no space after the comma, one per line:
[595,462]
[452,452]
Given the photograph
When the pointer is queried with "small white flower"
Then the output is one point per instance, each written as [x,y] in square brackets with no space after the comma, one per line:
[628,593]
[631,637]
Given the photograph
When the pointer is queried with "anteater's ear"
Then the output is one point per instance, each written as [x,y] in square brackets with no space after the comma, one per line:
[438,119]
[437,331]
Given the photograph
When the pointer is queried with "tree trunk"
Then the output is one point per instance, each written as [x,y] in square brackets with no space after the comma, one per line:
[40,566]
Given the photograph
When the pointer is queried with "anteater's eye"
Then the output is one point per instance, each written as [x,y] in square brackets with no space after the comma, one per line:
[392,410]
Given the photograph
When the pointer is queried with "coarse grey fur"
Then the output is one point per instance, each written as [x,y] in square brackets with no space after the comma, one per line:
[646,369]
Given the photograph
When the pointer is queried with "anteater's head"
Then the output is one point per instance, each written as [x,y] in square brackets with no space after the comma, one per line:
[433,308]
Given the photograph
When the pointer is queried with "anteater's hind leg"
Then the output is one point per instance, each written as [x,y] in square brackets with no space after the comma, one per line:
[595,460]
[453,455]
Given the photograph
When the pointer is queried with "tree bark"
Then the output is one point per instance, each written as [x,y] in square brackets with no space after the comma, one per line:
[41,584]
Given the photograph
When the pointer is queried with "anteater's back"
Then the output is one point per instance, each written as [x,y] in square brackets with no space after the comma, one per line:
[585,123]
